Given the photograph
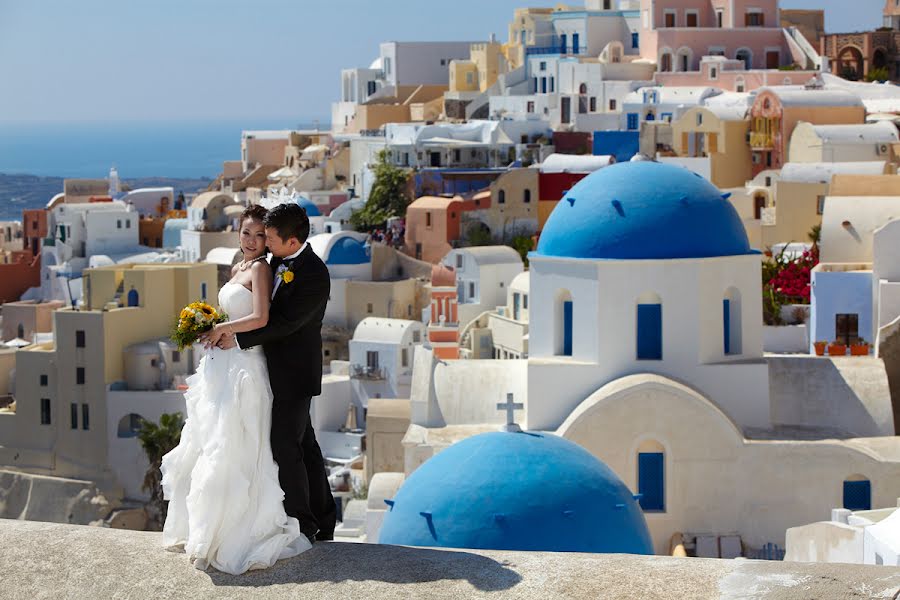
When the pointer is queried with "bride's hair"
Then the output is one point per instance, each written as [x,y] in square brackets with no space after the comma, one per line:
[254,211]
[257,213]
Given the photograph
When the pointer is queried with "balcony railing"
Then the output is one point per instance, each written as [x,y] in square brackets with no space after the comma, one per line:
[367,372]
[761,140]
[555,49]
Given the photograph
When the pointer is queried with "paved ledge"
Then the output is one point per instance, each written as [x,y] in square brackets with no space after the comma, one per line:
[46,560]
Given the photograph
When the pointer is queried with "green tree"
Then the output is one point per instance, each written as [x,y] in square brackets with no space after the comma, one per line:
[523,244]
[157,441]
[388,197]
[878,74]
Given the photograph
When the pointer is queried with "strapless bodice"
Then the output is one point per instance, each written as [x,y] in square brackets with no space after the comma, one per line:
[236,300]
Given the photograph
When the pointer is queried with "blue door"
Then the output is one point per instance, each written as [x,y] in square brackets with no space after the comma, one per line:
[562,43]
[649,332]
[567,328]
[576,47]
[651,481]
[632,121]
[858,495]
[726,324]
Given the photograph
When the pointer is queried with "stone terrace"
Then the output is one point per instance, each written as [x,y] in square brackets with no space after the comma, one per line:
[45,560]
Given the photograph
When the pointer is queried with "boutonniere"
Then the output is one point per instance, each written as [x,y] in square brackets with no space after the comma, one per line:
[286,276]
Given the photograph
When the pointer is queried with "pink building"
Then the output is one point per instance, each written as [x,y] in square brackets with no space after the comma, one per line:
[677,34]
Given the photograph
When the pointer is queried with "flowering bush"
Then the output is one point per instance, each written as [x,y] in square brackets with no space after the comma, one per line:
[194,320]
[787,281]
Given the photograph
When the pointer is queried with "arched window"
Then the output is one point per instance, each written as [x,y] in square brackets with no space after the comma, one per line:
[133,298]
[564,323]
[649,327]
[651,476]
[582,89]
[501,197]
[731,321]
[130,425]
[857,493]
[745,55]
[739,84]
[20,332]
[684,59]
[665,61]
[527,198]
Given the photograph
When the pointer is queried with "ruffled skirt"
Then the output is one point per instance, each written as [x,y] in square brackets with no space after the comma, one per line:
[225,502]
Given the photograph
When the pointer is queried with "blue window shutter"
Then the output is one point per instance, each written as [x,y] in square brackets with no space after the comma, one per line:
[649,332]
[632,120]
[567,328]
[651,481]
[858,495]
[726,324]
[634,40]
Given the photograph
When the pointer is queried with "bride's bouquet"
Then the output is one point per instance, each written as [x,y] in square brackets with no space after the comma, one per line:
[194,320]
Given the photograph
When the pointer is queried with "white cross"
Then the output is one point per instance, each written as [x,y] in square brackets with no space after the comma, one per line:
[510,407]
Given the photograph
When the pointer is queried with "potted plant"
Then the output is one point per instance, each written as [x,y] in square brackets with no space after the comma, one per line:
[860,348]
[820,348]
[837,348]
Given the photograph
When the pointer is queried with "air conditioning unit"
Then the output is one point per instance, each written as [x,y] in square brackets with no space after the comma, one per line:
[882,149]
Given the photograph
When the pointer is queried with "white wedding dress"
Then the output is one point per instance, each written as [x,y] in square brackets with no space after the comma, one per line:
[225,502]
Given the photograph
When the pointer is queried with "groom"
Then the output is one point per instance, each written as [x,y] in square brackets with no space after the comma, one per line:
[292,343]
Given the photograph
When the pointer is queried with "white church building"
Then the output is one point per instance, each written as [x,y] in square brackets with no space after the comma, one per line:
[645,348]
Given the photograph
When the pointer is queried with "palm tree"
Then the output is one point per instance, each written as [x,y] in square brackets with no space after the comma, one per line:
[157,441]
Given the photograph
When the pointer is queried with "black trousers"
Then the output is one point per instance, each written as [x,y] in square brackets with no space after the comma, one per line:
[301,467]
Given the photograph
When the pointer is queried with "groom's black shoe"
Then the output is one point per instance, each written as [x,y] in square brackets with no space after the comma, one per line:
[325,537]
[311,537]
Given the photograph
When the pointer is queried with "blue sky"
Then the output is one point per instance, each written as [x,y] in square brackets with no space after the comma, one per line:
[84,60]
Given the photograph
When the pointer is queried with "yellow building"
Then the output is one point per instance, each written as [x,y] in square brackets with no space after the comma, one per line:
[61,388]
[719,134]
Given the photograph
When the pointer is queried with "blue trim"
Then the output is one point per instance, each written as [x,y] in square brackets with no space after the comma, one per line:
[567,328]
[652,481]
[649,332]
[726,324]
[858,495]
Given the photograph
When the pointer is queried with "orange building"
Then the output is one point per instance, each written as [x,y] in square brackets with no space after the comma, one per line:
[433,223]
[777,110]
[19,271]
[443,327]
[34,224]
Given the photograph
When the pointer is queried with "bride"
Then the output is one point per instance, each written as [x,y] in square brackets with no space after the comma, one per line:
[225,502]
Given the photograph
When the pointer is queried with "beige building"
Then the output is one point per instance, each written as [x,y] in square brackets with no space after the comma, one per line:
[719,134]
[842,143]
[513,206]
[23,320]
[61,425]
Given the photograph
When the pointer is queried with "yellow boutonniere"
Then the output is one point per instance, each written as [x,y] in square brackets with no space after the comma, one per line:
[287,276]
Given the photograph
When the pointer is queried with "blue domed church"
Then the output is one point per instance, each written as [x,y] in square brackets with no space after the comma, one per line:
[645,348]
[517,491]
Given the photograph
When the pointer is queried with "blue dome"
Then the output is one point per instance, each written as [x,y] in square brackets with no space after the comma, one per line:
[348,251]
[643,210]
[517,491]
[311,209]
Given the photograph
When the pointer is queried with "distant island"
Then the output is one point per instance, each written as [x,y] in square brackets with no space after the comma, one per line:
[19,191]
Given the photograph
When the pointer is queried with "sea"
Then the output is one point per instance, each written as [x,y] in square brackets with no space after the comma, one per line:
[138,149]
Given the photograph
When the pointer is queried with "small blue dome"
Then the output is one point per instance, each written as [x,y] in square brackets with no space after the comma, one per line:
[348,251]
[643,210]
[517,491]
[311,209]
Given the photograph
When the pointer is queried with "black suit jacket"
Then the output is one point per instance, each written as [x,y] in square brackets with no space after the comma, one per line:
[292,339]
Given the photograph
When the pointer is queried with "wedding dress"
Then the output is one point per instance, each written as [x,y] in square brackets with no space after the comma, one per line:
[225,502]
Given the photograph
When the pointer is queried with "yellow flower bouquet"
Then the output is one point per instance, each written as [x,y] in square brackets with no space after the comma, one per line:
[194,320]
